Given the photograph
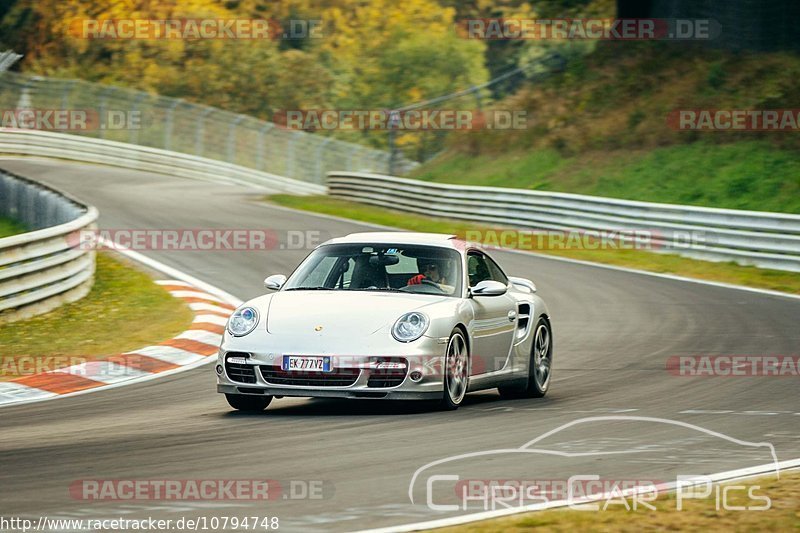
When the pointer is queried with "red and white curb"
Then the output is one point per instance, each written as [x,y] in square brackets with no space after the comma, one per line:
[196,346]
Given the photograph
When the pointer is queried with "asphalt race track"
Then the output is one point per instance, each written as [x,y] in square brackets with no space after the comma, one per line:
[614,331]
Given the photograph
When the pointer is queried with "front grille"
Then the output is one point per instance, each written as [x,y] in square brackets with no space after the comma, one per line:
[241,373]
[340,377]
[381,378]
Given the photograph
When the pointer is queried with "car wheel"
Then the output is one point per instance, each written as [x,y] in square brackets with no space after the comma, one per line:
[241,402]
[540,366]
[456,371]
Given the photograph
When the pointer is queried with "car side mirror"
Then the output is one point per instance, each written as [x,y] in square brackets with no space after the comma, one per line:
[489,287]
[275,282]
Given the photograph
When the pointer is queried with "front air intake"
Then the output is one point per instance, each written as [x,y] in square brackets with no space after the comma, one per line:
[237,368]
[387,372]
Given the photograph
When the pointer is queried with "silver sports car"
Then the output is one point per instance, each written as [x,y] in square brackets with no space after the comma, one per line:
[404,316]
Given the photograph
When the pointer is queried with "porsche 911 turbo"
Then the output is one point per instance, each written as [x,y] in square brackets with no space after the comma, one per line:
[392,315]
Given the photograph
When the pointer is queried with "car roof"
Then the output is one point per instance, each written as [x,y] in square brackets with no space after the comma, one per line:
[399,237]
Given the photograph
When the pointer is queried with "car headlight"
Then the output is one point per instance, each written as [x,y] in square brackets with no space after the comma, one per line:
[243,321]
[410,327]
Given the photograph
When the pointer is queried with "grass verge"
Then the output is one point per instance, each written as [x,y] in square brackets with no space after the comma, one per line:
[124,311]
[602,126]
[639,259]
[697,514]
[752,175]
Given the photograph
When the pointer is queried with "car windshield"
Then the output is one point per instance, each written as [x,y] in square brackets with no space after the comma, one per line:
[380,267]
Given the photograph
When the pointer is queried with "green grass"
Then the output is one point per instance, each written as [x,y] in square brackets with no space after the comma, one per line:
[750,175]
[696,514]
[10,227]
[639,259]
[124,311]
[600,128]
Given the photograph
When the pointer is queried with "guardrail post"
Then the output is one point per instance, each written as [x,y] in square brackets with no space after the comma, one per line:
[133,133]
[320,176]
[168,124]
[68,87]
[104,106]
[24,101]
[392,150]
[350,153]
[200,131]
[232,137]
[290,154]
[260,148]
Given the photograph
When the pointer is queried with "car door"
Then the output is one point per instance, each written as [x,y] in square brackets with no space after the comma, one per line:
[494,316]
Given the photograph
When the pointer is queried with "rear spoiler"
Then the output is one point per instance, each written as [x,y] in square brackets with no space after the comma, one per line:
[524,284]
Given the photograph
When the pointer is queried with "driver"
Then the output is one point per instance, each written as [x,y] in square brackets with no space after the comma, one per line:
[430,271]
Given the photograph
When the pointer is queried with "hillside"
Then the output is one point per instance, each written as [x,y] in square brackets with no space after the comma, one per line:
[600,128]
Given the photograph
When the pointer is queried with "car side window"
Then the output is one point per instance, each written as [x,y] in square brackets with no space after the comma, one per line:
[477,268]
[496,271]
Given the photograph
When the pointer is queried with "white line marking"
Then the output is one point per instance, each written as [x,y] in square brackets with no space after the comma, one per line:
[201,335]
[173,282]
[103,371]
[168,354]
[195,294]
[198,306]
[210,319]
[730,475]
[17,393]
[704,412]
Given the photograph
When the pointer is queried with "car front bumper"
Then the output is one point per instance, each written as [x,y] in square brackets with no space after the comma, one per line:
[363,373]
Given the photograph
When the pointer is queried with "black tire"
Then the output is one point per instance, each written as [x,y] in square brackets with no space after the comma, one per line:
[248,403]
[456,359]
[535,386]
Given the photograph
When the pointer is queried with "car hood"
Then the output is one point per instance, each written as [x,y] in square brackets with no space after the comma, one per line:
[340,313]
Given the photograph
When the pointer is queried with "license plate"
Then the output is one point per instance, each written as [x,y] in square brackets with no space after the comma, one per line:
[297,363]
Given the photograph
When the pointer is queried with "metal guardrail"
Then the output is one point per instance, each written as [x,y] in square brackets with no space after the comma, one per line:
[45,267]
[206,132]
[132,156]
[767,240]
